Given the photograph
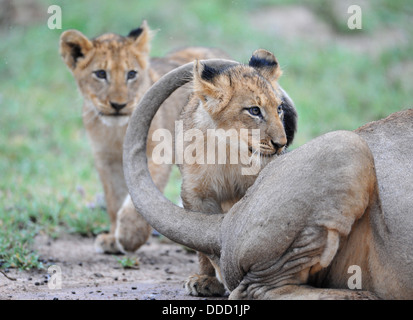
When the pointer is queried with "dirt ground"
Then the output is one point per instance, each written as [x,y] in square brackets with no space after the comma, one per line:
[87,275]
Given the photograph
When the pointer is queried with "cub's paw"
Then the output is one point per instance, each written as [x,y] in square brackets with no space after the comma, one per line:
[106,243]
[130,237]
[132,230]
[204,286]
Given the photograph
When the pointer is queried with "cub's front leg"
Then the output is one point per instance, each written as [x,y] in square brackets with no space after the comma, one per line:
[110,171]
[205,283]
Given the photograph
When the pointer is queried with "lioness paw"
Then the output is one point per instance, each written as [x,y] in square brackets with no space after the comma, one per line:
[204,286]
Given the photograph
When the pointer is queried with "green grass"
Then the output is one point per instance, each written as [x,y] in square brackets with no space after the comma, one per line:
[48,183]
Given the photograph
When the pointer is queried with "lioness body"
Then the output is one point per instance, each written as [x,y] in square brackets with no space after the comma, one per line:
[341,200]
[113,73]
[224,103]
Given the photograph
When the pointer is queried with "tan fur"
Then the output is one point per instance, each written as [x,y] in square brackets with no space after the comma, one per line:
[221,103]
[106,126]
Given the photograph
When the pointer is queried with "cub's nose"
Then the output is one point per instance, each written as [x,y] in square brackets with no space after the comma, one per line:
[117,106]
[278,146]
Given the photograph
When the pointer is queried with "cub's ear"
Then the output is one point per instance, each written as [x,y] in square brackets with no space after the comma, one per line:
[211,86]
[266,63]
[141,37]
[74,46]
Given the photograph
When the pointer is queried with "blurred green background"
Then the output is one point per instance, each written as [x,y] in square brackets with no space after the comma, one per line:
[338,78]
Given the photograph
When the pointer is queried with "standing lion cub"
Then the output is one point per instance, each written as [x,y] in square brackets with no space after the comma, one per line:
[225,102]
[113,73]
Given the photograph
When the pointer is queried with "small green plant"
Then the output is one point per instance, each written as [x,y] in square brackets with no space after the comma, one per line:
[16,252]
[128,262]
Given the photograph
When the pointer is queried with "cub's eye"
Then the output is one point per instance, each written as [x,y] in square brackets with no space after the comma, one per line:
[255,111]
[280,109]
[132,74]
[100,74]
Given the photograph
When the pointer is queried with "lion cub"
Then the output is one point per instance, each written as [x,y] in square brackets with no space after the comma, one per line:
[230,100]
[113,72]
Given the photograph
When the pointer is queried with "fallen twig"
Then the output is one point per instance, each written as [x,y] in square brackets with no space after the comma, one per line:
[4,274]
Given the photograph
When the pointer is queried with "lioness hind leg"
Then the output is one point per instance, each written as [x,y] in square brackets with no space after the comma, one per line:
[299,292]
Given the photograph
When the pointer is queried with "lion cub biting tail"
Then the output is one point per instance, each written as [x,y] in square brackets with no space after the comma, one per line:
[113,73]
[230,100]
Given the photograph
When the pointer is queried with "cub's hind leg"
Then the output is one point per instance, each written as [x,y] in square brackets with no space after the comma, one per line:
[132,230]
